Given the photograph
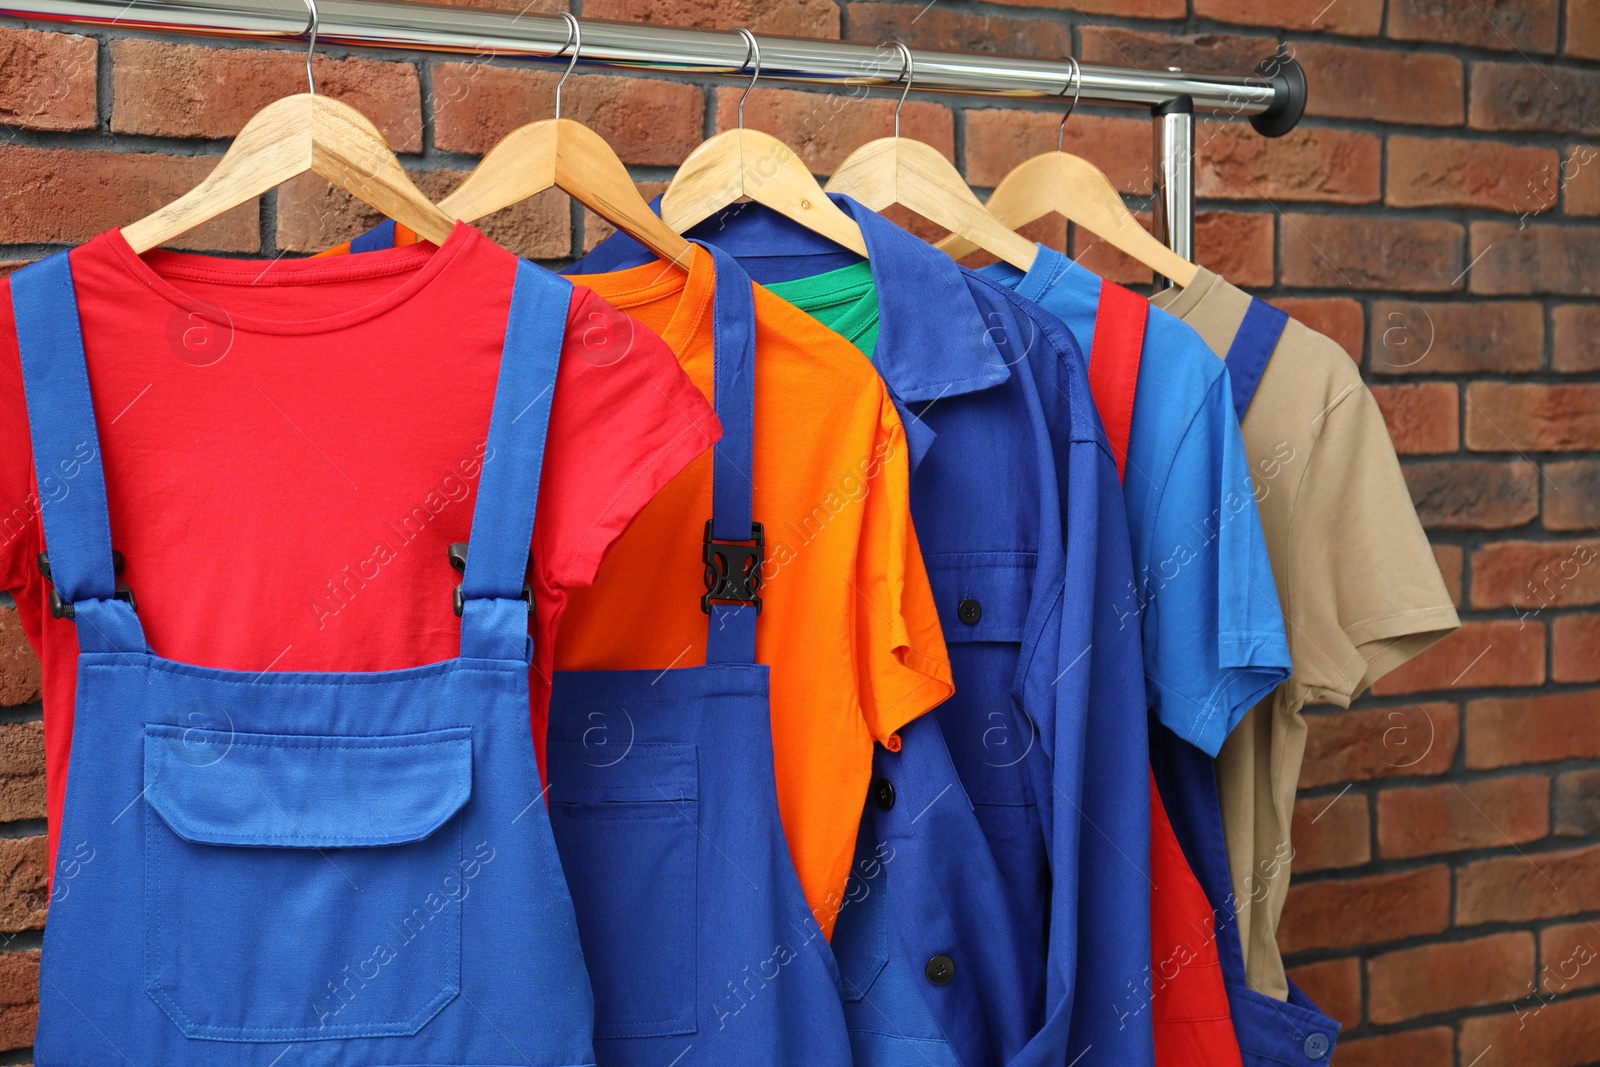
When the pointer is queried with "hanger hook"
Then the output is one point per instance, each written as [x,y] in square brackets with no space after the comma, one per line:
[311,30]
[574,42]
[1076,85]
[907,73]
[752,52]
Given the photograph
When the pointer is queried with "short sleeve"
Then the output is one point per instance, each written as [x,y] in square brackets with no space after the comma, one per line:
[19,504]
[1366,590]
[902,667]
[625,420]
[1213,631]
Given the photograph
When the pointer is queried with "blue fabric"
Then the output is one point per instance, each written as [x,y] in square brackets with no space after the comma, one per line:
[1036,768]
[1251,350]
[379,237]
[700,945]
[1213,631]
[399,899]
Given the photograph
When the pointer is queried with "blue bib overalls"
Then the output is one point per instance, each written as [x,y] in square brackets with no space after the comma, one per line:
[322,869]
[699,942]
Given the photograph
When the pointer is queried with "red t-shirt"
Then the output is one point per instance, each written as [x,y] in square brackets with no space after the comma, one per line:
[291,446]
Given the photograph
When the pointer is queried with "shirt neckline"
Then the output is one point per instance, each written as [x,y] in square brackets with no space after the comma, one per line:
[850,285]
[660,280]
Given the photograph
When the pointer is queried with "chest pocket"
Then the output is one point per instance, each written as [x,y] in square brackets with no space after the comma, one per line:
[300,887]
[627,827]
[983,600]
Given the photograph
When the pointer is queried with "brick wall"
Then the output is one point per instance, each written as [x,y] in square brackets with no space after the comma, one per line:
[1434,213]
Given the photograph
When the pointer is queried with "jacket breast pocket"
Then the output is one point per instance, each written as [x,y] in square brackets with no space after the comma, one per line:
[298,887]
[628,833]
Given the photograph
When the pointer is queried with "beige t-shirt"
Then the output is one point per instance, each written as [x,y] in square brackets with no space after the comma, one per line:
[1358,584]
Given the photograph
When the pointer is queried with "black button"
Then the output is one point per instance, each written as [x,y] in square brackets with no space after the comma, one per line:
[883,793]
[940,969]
[969,611]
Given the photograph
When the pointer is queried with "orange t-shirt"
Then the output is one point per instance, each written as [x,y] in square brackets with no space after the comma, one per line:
[848,626]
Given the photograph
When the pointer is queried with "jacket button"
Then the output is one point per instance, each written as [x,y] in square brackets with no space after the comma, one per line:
[940,969]
[969,611]
[1316,1046]
[883,793]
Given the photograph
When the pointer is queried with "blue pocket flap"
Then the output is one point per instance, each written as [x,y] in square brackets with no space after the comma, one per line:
[219,787]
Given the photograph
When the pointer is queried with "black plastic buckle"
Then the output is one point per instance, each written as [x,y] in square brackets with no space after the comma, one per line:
[457,554]
[733,569]
[62,608]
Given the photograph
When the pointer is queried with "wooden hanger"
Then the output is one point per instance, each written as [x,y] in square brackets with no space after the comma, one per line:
[289,137]
[567,155]
[1076,189]
[899,170]
[747,163]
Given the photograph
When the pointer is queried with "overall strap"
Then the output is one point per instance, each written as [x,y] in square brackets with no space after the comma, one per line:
[734,542]
[1251,348]
[1114,362]
[67,458]
[494,600]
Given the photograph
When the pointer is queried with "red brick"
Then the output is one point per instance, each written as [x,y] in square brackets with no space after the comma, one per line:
[1535,1033]
[646,122]
[1540,258]
[999,139]
[1353,746]
[1413,1048]
[1437,978]
[1467,495]
[1421,418]
[1577,803]
[65,196]
[1575,649]
[1511,416]
[1337,317]
[1569,955]
[1415,88]
[19,998]
[1428,820]
[1449,559]
[1424,337]
[1572,495]
[1149,9]
[1522,25]
[1115,47]
[1536,574]
[1578,179]
[1583,30]
[952,31]
[794,18]
[313,215]
[19,667]
[1536,97]
[24,883]
[1235,245]
[185,90]
[1503,732]
[1575,331]
[22,794]
[1365,911]
[47,80]
[1330,833]
[1327,166]
[824,128]
[1334,986]
[1519,888]
[1446,172]
[1505,652]
[1360,18]
[1341,252]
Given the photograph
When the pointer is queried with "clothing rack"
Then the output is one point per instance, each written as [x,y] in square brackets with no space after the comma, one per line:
[1273,98]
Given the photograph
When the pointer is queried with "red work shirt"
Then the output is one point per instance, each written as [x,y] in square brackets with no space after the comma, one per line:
[291,446]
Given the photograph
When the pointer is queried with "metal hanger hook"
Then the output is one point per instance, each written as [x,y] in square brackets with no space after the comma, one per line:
[752,52]
[907,73]
[1076,85]
[574,42]
[311,30]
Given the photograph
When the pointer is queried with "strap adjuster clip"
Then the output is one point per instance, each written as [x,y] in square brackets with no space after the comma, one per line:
[733,569]
[457,554]
[62,608]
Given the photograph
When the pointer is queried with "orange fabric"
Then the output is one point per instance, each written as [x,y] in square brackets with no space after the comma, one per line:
[848,625]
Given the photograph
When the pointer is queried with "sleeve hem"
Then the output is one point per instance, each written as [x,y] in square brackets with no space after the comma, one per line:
[1386,643]
[932,687]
